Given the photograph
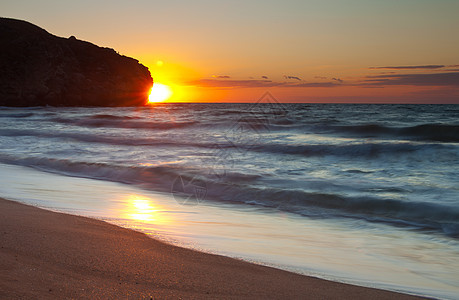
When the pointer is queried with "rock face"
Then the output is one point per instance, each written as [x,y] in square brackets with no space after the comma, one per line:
[38,68]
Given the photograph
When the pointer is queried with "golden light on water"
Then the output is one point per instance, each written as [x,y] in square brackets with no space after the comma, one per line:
[159,93]
[143,209]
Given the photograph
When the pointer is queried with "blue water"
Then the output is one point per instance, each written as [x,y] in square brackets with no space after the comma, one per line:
[390,167]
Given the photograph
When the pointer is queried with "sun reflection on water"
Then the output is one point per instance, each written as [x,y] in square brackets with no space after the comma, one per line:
[143,209]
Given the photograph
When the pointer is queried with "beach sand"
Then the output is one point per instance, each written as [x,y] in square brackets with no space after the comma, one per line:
[44,254]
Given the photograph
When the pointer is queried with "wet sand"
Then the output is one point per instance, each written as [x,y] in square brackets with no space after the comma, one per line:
[44,254]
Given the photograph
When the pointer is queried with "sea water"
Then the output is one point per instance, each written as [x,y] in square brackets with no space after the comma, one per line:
[365,194]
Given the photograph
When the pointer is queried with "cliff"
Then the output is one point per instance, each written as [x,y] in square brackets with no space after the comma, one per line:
[38,68]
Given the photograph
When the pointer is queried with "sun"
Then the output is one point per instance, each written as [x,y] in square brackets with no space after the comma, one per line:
[159,93]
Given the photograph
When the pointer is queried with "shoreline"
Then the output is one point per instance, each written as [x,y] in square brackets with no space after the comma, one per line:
[46,254]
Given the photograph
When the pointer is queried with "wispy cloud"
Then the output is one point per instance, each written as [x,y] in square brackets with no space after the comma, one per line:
[234,83]
[292,77]
[424,67]
[447,78]
[434,79]
[338,80]
[316,84]
[252,83]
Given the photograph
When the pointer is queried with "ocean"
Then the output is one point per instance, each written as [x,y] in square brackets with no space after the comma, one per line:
[365,194]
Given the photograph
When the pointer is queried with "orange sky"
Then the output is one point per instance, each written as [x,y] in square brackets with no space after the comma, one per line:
[300,50]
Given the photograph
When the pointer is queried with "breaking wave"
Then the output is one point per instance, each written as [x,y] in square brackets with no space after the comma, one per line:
[415,215]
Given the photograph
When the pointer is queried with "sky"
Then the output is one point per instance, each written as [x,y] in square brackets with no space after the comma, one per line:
[352,51]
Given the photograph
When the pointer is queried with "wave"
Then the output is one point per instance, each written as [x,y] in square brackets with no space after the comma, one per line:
[98,139]
[16,115]
[354,150]
[242,188]
[369,150]
[436,132]
[417,215]
[113,121]
[111,172]
[113,117]
[258,122]
[425,132]
[422,132]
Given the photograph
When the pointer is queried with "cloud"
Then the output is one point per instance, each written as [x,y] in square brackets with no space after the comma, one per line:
[221,76]
[252,83]
[315,84]
[434,79]
[338,79]
[445,79]
[292,77]
[234,83]
[264,77]
[428,67]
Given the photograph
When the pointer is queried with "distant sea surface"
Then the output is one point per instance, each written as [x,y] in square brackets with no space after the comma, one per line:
[387,171]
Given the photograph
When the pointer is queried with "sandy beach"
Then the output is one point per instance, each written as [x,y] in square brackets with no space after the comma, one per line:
[53,255]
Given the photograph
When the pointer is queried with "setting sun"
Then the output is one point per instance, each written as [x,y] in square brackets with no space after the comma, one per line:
[159,93]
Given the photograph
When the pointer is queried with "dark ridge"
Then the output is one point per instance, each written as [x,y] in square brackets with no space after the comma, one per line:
[38,69]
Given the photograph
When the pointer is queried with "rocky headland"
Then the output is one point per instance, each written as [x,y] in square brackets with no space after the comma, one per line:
[38,69]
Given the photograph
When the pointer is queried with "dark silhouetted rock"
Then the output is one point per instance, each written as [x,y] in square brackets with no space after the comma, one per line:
[38,68]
